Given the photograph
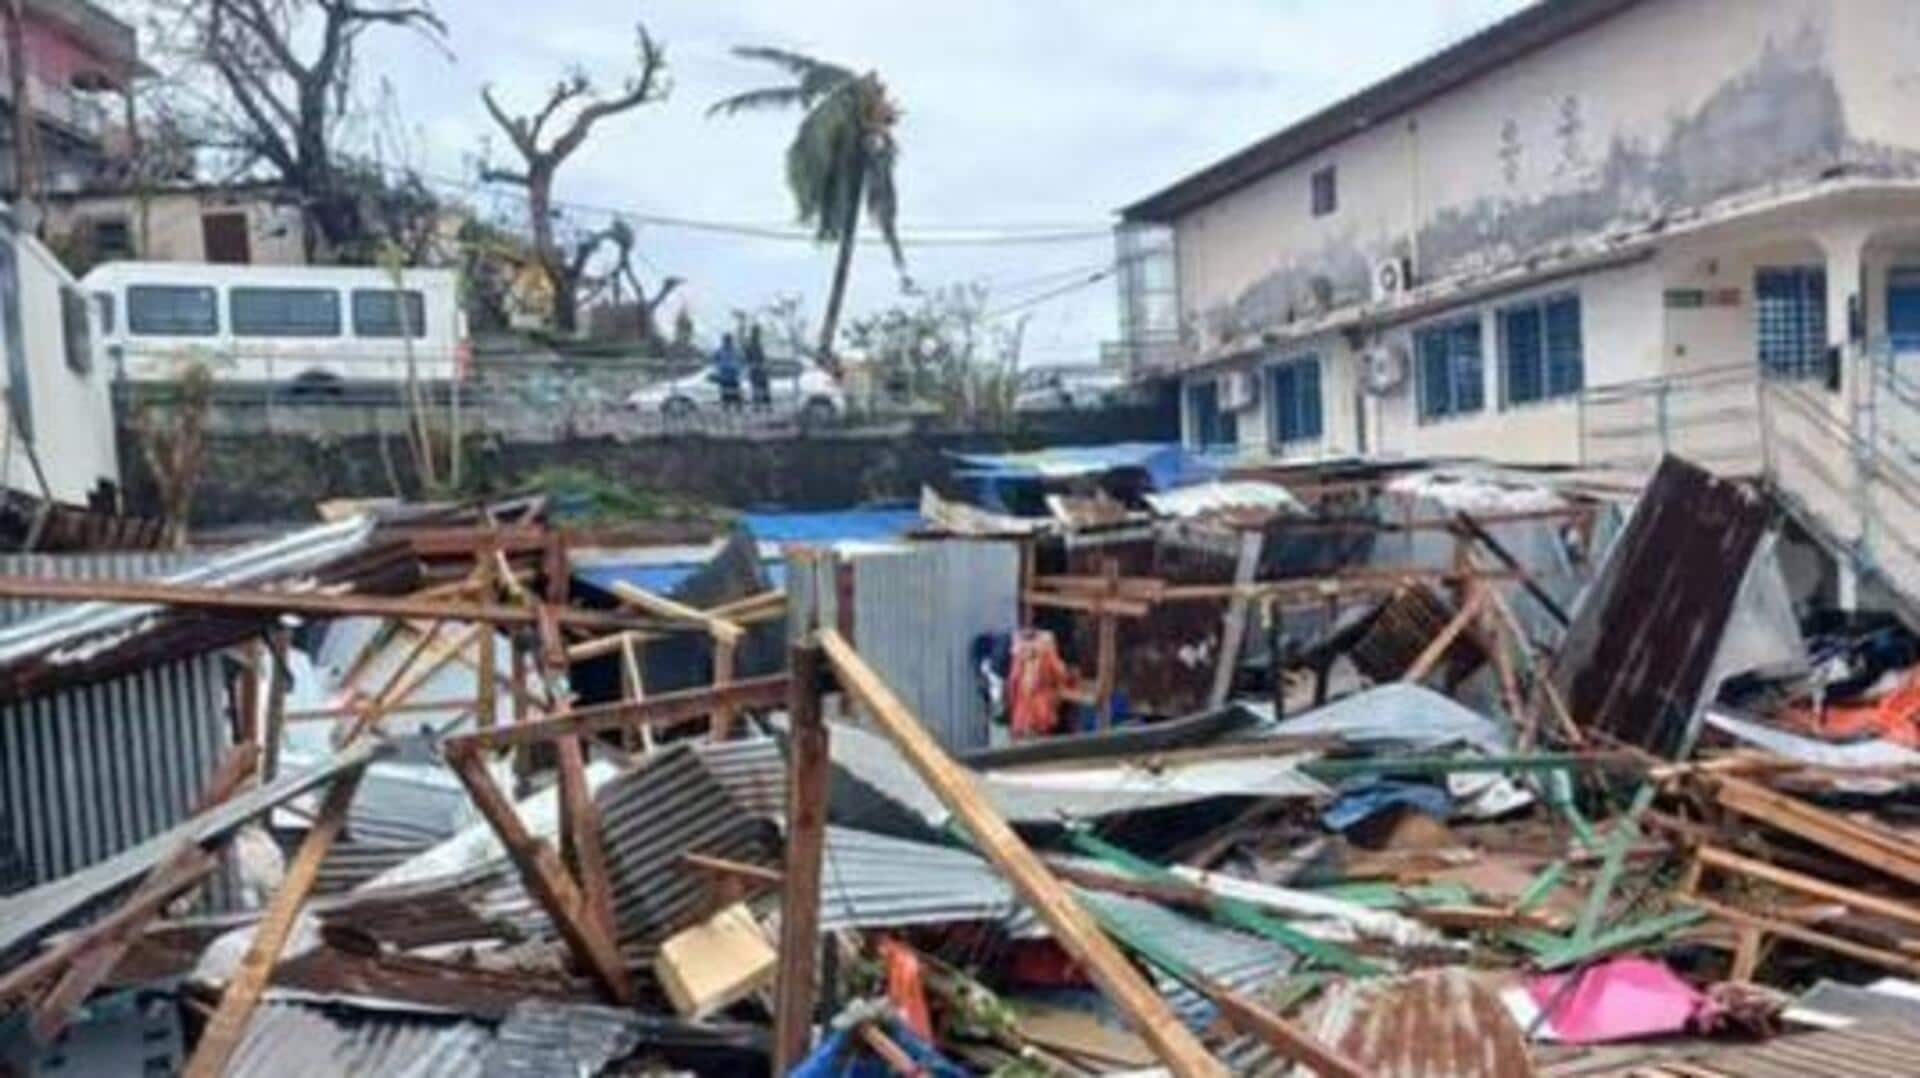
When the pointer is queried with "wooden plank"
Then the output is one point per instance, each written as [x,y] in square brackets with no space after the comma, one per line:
[807,777]
[546,879]
[1876,849]
[725,657]
[1788,930]
[224,1030]
[279,638]
[1423,664]
[1126,608]
[758,876]
[1106,668]
[582,826]
[1472,527]
[663,710]
[1072,927]
[1233,632]
[1891,908]
[673,610]
[1285,1038]
[315,603]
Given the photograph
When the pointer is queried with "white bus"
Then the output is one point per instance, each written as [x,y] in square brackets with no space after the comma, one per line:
[306,325]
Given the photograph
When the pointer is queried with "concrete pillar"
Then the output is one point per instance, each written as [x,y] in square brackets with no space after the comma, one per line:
[1846,288]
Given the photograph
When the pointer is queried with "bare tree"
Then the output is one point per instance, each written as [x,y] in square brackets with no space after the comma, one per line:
[285,71]
[173,441]
[621,277]
[542,152]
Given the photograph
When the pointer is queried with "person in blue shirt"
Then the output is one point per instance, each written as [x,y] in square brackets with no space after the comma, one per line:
[726,372]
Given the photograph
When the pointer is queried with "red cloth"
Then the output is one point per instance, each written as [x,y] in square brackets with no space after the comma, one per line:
[1895,716]
[1035,682]
[904,988]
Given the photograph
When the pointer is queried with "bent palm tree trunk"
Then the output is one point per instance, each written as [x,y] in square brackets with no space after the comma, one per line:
[849,234]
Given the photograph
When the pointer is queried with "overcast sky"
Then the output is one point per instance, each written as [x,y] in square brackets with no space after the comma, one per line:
[1016,113]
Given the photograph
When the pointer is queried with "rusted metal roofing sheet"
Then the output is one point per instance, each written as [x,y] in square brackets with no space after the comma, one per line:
[1636,659]
[1445,1023]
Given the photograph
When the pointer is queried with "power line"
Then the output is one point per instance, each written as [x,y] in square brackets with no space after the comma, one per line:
[955,236]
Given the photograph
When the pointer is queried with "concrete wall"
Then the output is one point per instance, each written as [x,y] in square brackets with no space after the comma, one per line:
[171,231]
[1672,103]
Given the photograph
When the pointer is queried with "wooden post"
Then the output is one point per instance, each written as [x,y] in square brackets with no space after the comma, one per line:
[1107,665]
[279,639]
[1437,647]
[1233,631]
[246,696]
[725,651]
[807,774]
[582,817]
[1144,1008]
[545,877]
[229,1022]
[1029,569]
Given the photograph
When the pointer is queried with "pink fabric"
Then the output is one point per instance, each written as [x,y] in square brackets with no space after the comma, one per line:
[1617,1000]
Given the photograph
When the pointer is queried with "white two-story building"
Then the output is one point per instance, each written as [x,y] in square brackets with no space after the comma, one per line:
[1590,193]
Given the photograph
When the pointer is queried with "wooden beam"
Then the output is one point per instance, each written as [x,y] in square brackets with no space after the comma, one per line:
[725,659]
[279,639]
[1106,667]
[1126,608]
[1869,846]
[807,779]
[1472,527]
[546,879]
[1285,1038]
[582,816]
[316,604]
[486,682]
[224,1030]
[1143,1007]
[1233,629]
[1860,901]
[663,710]
[661,606]
[1424,663]
[756,875]
[1799,934]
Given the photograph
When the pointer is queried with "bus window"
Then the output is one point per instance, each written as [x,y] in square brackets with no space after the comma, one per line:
[283,312]
[168,310]
[378,313]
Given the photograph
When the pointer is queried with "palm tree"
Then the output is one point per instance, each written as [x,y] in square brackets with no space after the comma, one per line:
[842,154]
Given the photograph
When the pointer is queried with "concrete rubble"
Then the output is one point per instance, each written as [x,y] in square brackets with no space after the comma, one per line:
[1109,761]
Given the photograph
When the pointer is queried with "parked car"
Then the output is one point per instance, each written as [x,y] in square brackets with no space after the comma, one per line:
[1048,389]
[798,387]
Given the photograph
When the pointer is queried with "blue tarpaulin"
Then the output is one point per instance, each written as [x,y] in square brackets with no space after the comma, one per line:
[877,524]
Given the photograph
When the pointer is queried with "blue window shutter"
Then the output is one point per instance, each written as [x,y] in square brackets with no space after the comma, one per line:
[1310,417]
[1520,346]
[1566,366]
[1469,375]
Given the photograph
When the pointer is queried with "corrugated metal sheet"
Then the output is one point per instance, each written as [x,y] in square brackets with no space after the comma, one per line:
[754,772]
[26,915]
[128,565]
[71,624]
[669,806]
[1238,960]
[917,609]
[302,1040]
[89,772]
[1866,1051]
[542,1038]
[1444,1023]
[873,881]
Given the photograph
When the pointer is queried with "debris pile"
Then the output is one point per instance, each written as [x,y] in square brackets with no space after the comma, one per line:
[1108,763]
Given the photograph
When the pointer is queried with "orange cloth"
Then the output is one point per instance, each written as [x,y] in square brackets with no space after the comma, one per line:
[904,988]
[1895,716]
[1035,681]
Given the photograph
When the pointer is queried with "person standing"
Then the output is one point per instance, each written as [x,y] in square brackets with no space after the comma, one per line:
[757,376]
[726,373]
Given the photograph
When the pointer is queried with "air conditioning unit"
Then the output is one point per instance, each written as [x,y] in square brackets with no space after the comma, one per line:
[1238,391]
[1392,277]
[1385,368]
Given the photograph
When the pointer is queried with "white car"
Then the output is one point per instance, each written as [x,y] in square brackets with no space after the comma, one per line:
[1064,388]
[797,387]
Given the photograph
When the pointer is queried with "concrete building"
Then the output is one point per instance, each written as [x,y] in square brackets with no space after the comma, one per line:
[230,224]
[1548,242]
[80,63]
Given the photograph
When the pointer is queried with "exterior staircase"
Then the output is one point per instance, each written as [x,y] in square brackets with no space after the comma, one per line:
[1845,465]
